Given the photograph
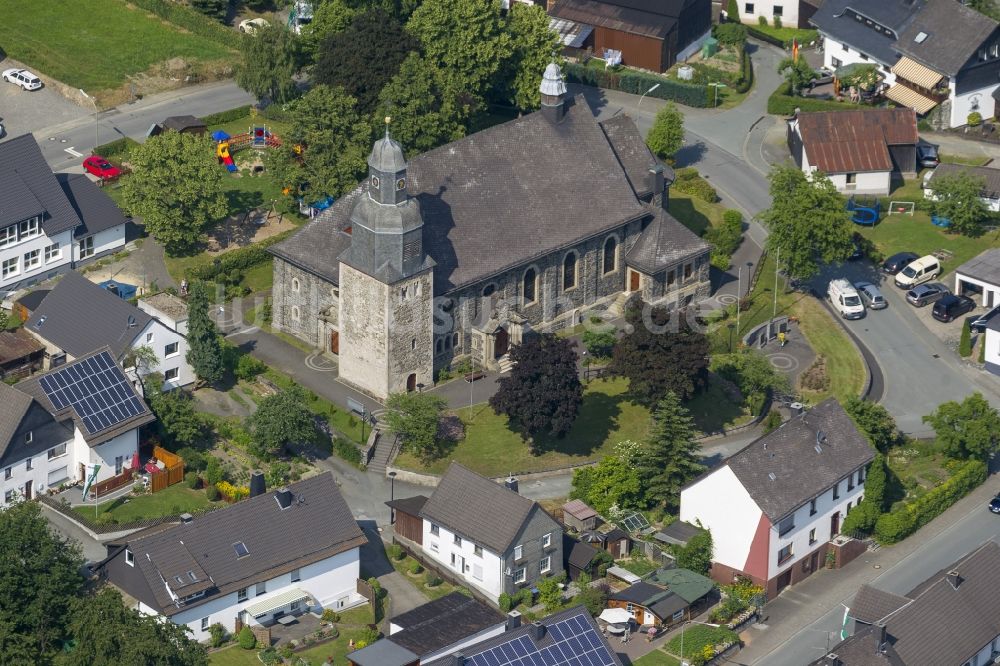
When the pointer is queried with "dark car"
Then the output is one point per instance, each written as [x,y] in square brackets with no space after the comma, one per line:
[898,262]
[927,155]
[995,504]
[978,324]
[947,308]
[923,294]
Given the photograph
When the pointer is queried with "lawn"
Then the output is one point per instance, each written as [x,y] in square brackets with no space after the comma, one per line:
[96,45]
[640,566]
[918,467]
[695,214]
[713,411]
[697,636]
[172,501]
[657,658]
[418,581]
[786,35]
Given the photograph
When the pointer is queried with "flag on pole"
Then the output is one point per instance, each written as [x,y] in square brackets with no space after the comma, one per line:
[843,629]
[795,50]
[90,479]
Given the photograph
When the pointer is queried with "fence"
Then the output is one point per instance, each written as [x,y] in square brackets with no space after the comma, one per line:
[172,472]
[114,483]
[102,527]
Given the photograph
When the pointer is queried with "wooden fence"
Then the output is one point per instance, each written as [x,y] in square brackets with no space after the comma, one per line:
[114,483]
[172,472]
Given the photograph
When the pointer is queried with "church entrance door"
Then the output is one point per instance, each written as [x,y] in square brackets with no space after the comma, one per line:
[633,281]
[411,383]
[334,342]
[501,343]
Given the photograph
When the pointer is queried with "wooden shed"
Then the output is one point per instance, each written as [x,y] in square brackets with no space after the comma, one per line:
[406,519]
[579,517]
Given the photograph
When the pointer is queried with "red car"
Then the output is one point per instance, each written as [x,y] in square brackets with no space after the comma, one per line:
[101,168]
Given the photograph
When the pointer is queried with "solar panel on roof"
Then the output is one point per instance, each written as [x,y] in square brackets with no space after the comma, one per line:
[569,642]
[97,391]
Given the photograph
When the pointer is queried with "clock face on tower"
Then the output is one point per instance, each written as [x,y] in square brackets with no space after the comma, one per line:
[374,181]
[401,184]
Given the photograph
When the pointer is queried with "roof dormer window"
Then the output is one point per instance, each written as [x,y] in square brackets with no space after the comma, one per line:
[921,36]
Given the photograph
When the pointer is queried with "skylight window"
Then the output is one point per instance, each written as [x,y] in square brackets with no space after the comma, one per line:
[241,549]
[192,576]
[921,36]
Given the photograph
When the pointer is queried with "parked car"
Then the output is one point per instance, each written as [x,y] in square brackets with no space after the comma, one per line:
[922,270]
[101,168]
[871,295]
[923,294]
[927,155]
[951,306]
[979,324]
[823,75]
[898,262]
[845,299]
[250,26]
[23,78]
[995,504]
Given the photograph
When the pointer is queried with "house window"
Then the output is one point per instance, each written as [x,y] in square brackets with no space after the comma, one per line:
[528,287]
[477,551]
[413,343]
[261,589]
[9,267]
[852,178]
[836,490]
[569,271]
[28,436]
[295,285]
[785,554]
[518,552]
[9,496]
[812,536]
[671,276]
[295,313]
[149,338]
[28,463]
[119,464]
[453,560]
[458,540]
[520,575]
[204,624]
[489,290]
[786,525]
[610,255]
[812,507]
[835,63]
[32,259]
[748,8]
[9,472]
[844,47]
[334,292]
[57,451]
[29,229]
[8,236]
[848,509]
[547,540]
[677,616]
[86,247]
[777,10]
[434,546]
[170,350]
[861,476]
[241,595]
[454,340]
[687,271]
[52,253]
[447,342]
[294,606]
[850,482]
[438,346]
[545,564]
[171,374]
[129,558]
[435,530]
[296,575]
[404,293]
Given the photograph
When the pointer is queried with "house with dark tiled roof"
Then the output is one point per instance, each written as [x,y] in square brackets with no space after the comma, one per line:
[951,619]
[278,553]
[459,252]
[860,151]
[775,507]
[483,534]
[49,222]
[938,57]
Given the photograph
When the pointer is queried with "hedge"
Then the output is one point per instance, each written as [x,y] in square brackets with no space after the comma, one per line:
[238,260]
[189,19]
[116,148]
[907,519]
[746,73]
[689,181]
[223,117]
[782,103]
[637,83]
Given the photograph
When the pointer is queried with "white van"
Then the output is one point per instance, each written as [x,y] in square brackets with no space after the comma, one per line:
[922,270]
[845,299]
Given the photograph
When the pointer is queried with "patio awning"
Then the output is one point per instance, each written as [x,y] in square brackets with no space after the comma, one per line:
[916,73]
[570,33]
[911,98]
[277,601]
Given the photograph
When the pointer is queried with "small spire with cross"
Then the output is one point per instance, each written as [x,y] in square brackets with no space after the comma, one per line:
[388,119]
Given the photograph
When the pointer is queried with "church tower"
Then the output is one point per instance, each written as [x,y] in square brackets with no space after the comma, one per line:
[553,90]
[386,284]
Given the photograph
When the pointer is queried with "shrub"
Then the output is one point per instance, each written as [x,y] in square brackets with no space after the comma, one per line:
[218,634]
[193,458]
[188,18]
[369,635]
[330,615]
[505,602]
[347,450]
[637,83]
[395,551]
[432,579]
[731,34]
[689,181]
[771,421]
[975,119]
[524,598]
[777,22]
[270,657]
[782,103]
[213,471]
[965,343]
[416,569]
[248,367]
[246,639]
[725,238]
[222,117]
[213,494]
[237,260]
[118,148]
[762,21]
[191,480]
[232,492]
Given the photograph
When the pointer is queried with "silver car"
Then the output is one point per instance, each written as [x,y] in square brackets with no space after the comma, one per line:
[871,295]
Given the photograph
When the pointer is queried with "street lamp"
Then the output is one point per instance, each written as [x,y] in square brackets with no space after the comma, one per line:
[392,496]
[739,292]
[97,118]
[717,86]
[655,86]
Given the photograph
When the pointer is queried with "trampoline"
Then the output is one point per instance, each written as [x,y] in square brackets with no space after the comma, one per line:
[864,213]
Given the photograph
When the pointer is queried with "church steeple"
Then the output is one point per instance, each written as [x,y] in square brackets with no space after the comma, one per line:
[553,90]
[387,170]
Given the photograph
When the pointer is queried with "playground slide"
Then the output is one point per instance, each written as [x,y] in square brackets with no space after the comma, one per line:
[230,165]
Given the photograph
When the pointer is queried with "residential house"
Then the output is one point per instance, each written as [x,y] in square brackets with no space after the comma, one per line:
[992,341]
[49,222]
[434,630]
[78,316]
[170,309]
[55,427]
[669,597]
[774,506]
[859,151]
[951,619]
[579,517]
[20,354]
[482,534]
[791,13]
[980,277]
[281,553]
[990,177]
[931,53]
[649,34]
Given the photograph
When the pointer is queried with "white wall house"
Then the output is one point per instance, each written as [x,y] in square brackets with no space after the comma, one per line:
[282,553]
[793,13]
[773,507]
[170,309]
[50,443]
[990,177]
[979,278]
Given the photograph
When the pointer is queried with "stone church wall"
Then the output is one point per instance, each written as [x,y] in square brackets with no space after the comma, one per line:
[312,296]
[411,336]
[364,331]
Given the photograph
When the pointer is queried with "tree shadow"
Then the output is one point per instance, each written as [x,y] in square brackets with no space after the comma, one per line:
[683,209]
[597,419]
[690,154]
[240,201]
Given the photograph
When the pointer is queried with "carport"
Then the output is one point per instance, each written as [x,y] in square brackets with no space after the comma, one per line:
[981,276]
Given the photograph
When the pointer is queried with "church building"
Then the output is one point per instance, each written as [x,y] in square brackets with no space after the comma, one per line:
[463,250]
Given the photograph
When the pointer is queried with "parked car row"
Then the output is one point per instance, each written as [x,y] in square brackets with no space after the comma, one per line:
[915,274]
[851,300]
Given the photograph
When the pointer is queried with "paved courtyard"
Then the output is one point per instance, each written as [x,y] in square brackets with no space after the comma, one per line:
[23,111]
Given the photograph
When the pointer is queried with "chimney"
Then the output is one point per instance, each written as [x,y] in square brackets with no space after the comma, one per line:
[284,498]
[954,579]
[882,638]
[537,631]
[186,518]
[511,483]
[257,484]
[797,408]
[832,660]
[657,185]
[457,659]
[513,620]
[553,91]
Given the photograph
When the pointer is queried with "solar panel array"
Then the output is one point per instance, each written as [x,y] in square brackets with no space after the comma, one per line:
[569,642]
[635,522]
[96,389]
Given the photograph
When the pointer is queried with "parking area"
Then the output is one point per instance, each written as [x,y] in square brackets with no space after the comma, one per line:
[22,111]
[950,332]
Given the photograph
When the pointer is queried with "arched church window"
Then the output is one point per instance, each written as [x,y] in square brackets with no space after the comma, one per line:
[528,289]
[569,271]
[610,254]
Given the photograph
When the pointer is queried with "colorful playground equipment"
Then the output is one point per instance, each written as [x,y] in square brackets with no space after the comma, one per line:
[864,213]
[255,137]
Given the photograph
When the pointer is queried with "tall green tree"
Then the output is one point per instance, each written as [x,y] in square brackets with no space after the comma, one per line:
[425,108]
[542,394]
[329,18]
[217,9]
[466,39]
[204,342]
[732,11]
[875,422]
[986,7]
[362,58]
[798,73]
[873,504]
[176,188]
[535,45]
[666,136]
[660,353]
[268,61]
[969,429]
[956,198]
[669,457]
[39,577]
[807,220]
[281,419]
[611,485]
[697,554]
[106,633]
[415,418]
[335,140]
[176,418]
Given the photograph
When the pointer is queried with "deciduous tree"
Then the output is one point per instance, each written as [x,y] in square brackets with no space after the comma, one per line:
[612,484]
[176,418]
[175,187]
[666,137]
[281,419]
[599,342]
[807,220]
[415,417]
[697,554]
[660,353]
[329,18]
[669,457]
[798,73]
[535,45]
[967,429]
[875,422]
[204,342]
[542,393]
[956,198]
[268,61]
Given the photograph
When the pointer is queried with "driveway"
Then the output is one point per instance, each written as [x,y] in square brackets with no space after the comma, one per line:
[22,112]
